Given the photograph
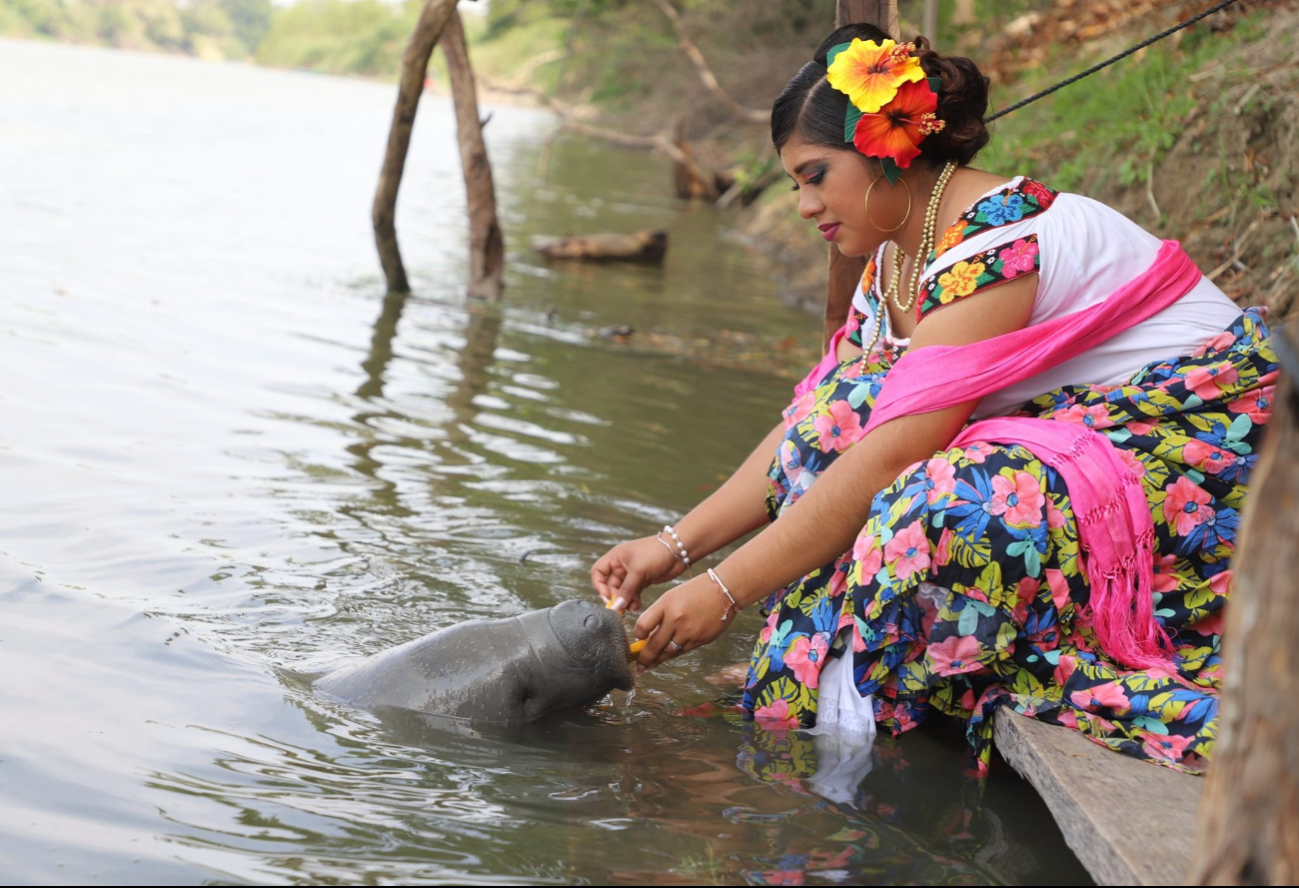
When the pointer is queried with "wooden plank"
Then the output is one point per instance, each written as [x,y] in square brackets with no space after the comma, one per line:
[1129,822]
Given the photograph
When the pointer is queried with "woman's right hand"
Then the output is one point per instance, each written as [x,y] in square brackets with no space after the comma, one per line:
[625,570]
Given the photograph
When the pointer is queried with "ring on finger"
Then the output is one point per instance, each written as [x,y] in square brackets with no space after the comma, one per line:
[676,648]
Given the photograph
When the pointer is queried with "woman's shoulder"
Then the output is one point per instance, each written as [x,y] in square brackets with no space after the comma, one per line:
[1006,204]
[994,240]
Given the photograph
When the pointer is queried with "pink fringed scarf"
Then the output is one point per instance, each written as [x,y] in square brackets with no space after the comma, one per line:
[1115,531]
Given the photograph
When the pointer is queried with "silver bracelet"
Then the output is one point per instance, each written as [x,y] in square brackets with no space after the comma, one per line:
[726,611]
[684,559]
[664,544]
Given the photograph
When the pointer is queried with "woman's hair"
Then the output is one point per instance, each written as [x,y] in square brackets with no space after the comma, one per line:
[814,110]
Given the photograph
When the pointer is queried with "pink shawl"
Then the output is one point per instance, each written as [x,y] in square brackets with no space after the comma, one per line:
[1115,530]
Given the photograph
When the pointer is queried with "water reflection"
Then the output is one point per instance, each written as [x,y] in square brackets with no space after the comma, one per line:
[664,800]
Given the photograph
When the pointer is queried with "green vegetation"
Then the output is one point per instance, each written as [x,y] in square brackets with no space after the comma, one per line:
[1114,128]
[362,37]
[206,28]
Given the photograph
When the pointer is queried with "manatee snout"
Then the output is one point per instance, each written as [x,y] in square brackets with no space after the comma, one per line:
[595,639]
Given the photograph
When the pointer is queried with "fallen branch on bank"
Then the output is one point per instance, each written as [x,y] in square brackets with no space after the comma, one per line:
[710,184]
[705,72]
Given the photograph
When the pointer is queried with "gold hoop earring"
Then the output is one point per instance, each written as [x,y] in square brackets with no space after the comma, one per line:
[868,206]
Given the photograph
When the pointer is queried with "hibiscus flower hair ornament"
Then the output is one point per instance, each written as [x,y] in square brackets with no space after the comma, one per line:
[892,105]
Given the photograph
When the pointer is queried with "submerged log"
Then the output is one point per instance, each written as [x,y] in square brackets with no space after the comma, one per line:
[1249,813]
[641,246]
[486,244]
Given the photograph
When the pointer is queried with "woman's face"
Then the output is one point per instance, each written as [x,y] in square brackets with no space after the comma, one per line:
[832,185]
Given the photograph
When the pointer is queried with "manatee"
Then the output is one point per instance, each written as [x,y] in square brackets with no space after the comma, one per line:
[508,671]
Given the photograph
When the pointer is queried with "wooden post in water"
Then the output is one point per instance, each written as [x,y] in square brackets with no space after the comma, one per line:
[486,245]
[414,65]
[1249,810]
[846,271]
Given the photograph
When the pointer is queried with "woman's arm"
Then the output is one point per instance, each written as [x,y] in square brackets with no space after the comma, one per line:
[734,509]
[823,524]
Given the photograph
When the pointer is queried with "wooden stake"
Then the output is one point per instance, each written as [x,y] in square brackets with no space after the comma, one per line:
[486,245]
[846,271]
[1249,810]
[414,66]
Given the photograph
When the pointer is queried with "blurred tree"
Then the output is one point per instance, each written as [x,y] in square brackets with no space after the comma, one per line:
[249,19]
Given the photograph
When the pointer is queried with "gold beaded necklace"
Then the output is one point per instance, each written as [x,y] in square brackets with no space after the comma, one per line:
[928,234]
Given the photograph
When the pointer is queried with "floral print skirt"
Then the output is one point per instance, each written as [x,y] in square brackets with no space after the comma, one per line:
[963,592]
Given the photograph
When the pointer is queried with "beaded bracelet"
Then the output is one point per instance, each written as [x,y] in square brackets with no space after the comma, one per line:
[683,556]
[732,605]
[671,531]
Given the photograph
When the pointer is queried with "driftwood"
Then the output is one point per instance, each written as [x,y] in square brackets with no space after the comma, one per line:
[690,180]
[846,271]
[659,142]
[1249,813]
[642,246]
[486,245]
[433,18]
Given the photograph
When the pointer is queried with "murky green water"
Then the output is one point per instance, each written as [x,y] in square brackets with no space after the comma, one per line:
[227,459]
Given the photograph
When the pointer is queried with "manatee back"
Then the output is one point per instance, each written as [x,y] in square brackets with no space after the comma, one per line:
[470,670]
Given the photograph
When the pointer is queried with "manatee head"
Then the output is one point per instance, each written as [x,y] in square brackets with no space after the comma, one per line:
[587,659]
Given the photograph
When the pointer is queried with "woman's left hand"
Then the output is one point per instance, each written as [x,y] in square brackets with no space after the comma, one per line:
[684,618]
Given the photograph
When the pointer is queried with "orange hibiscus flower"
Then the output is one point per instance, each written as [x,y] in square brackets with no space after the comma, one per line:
[871,73]
[898,129]
[951,237]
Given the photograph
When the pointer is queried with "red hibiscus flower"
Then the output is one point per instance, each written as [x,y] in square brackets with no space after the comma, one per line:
[898,128]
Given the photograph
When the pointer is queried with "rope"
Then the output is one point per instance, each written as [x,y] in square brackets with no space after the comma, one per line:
[1094,68]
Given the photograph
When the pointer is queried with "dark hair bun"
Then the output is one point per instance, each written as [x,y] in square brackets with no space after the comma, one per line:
[962,104]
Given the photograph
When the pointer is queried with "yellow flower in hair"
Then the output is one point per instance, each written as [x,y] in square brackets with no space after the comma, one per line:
[870,73]
[960,281]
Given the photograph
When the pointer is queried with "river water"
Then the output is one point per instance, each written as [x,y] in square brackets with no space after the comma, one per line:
[229,461]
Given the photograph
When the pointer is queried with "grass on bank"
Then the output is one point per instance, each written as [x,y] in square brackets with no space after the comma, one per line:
[1113,127]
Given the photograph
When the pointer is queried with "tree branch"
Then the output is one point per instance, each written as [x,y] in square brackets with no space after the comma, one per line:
[705,72]
[486,244]
[433,18]
[658,142]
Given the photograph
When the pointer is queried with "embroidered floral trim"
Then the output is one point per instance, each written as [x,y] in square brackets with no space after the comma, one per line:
[1012,204]
[981,271]
[856,317]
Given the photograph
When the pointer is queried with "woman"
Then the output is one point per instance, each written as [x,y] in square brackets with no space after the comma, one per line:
[1015,477]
